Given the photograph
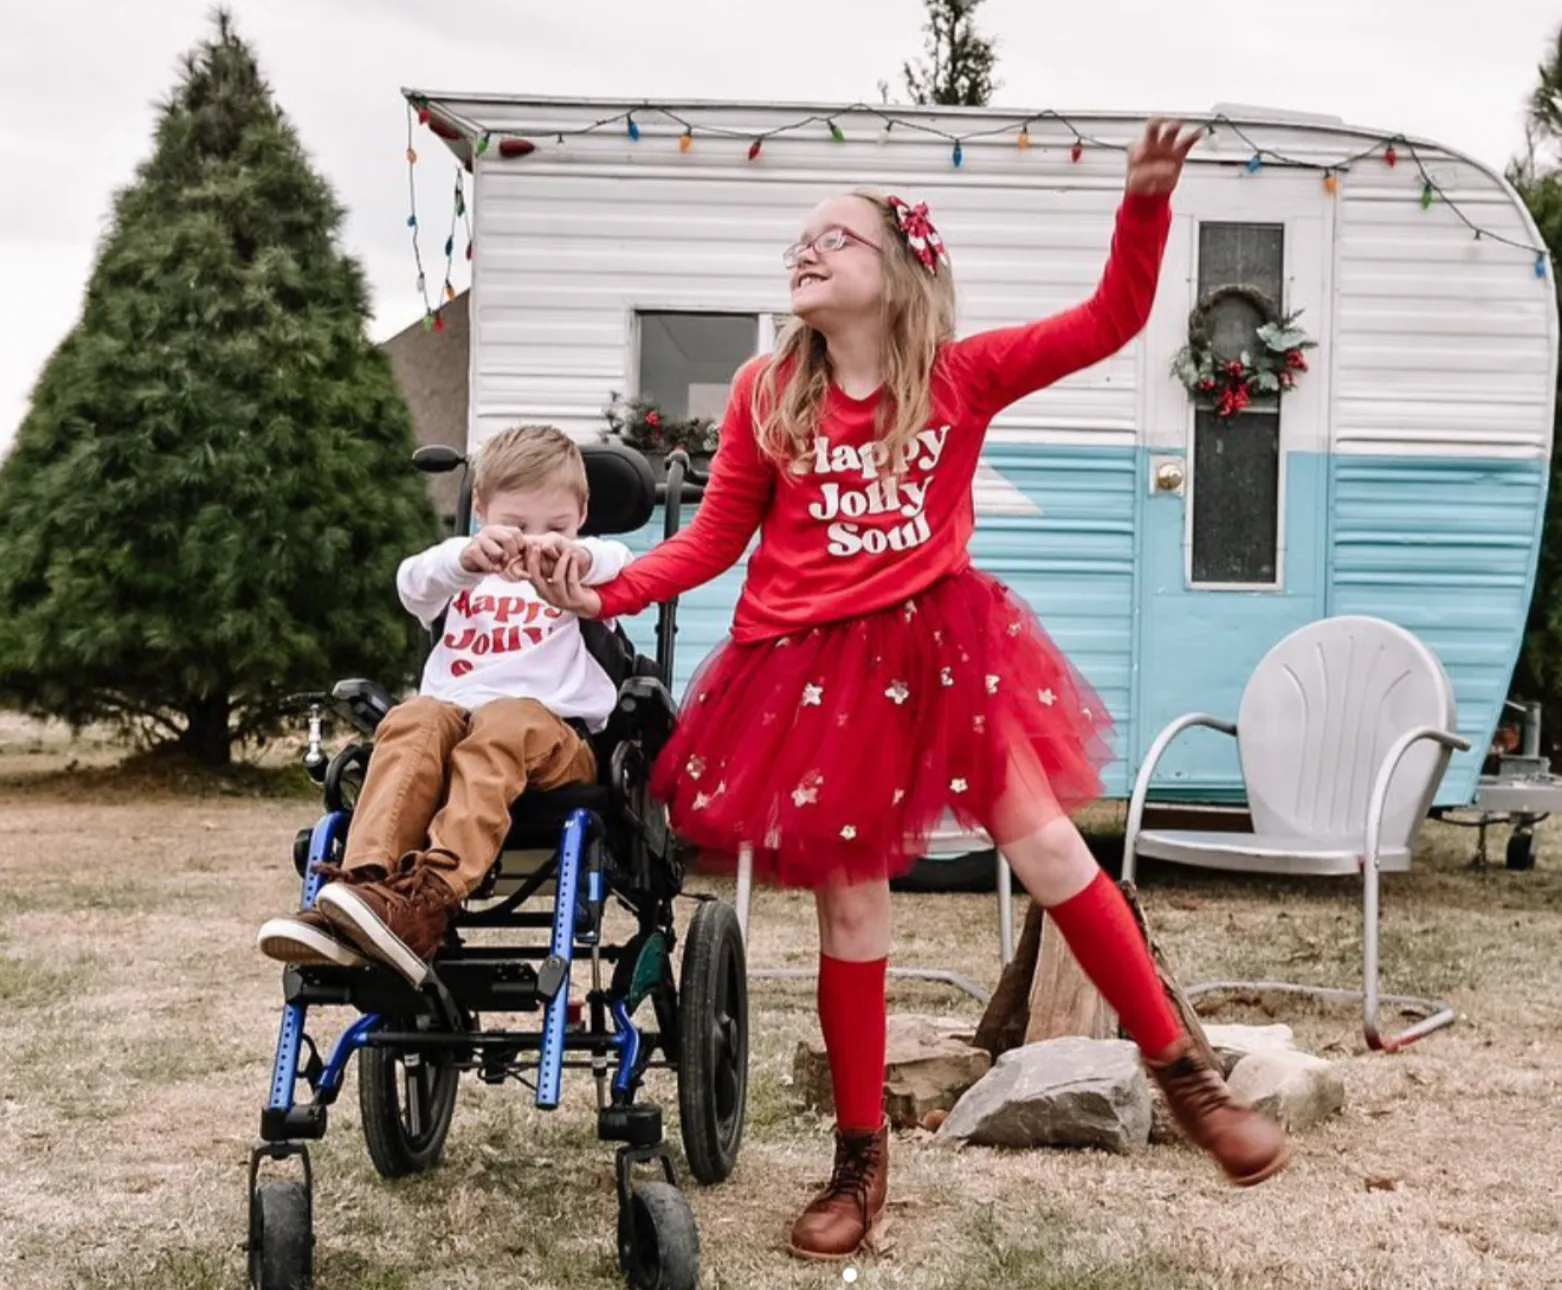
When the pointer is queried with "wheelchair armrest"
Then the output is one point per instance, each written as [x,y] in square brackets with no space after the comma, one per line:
[365,702]
[645,711]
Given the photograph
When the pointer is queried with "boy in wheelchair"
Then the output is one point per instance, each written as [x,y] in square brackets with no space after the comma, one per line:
[510,696]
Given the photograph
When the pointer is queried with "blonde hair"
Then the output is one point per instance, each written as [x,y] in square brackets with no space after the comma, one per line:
[526,459]
[918,314]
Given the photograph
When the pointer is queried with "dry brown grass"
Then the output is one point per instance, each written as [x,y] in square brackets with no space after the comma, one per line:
[137,1022]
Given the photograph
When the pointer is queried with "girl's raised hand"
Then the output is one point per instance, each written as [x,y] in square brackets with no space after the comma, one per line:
[1155,162]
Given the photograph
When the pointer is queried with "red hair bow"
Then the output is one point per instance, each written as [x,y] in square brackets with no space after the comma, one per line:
[920,235]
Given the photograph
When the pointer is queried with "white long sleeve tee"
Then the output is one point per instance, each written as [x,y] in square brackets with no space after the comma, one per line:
[501,640]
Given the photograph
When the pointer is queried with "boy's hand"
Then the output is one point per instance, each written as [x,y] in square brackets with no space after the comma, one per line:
[491,550]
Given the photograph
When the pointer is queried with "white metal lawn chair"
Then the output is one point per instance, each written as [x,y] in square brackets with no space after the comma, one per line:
[1343,733]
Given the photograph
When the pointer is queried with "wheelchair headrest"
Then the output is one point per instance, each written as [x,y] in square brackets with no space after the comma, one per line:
[623,489]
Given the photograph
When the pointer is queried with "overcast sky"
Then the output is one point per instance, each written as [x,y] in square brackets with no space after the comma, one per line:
[78,79]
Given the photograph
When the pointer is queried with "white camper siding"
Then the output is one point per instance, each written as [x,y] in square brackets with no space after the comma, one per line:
[563,262]
[1443,380]
[1443,345]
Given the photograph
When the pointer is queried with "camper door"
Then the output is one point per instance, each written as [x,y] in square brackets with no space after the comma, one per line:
[1232,520]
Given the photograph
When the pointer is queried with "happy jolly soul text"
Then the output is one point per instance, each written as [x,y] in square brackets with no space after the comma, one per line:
[840,504]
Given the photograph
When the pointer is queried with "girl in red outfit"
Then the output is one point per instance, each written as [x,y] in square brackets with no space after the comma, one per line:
[874,679]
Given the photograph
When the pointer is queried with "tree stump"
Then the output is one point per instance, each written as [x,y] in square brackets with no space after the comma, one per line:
[1063,1001]
[1043,993]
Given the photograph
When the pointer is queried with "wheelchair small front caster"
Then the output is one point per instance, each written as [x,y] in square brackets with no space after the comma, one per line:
[281,1223]
[658,1242]
[281,1250]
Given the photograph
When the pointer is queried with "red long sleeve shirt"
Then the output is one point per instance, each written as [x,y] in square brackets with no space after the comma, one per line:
[838,542]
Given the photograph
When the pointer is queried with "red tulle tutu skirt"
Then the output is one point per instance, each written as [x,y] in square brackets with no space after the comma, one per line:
[834,752]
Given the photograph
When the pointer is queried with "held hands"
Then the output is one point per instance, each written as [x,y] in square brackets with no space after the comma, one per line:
[555,566]
[1155,162]
[556,569]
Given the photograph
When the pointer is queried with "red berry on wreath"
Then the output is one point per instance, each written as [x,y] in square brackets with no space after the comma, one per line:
[1294,359]
[1207,384]
[1234,367]
[652,419]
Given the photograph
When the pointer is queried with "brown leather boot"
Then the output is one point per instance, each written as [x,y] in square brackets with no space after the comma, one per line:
[843,1217]
[401,921]
[1250,1147]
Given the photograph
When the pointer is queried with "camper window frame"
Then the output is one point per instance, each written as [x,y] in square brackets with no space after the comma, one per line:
[765,330]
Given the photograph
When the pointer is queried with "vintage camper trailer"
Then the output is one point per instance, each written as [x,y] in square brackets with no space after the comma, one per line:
[635,248]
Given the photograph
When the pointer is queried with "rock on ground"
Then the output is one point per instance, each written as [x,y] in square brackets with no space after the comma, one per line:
[929,1063]
[1233,1043]
[1298,1089]
[1070,1092]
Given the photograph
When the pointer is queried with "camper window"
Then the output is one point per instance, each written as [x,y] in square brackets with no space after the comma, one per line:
[688,360]
[1235,486]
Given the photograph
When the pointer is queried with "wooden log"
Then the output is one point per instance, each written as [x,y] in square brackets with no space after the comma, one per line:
[1174,992]
[1062,999]
[1004,1020]
[1043,993]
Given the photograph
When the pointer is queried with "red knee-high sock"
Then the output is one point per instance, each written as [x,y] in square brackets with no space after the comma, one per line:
[851,1014]
[1100,929]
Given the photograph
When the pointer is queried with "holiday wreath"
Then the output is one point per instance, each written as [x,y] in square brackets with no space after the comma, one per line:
[1232,381]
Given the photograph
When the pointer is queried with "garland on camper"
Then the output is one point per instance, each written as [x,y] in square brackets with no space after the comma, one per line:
[639,423]
[1055,133]
[433,316]
[1232,382]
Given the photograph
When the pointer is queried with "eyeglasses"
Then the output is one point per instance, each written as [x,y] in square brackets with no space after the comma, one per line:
[832,239]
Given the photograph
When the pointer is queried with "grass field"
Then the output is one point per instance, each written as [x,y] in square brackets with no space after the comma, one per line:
[137,1023]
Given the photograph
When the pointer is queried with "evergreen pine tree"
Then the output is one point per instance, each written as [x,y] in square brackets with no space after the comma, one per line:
[210,492]
[959,66]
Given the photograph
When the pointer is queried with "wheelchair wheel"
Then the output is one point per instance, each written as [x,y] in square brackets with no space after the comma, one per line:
[406,1102]
[281,1252]
[662,1251]
[713,1042]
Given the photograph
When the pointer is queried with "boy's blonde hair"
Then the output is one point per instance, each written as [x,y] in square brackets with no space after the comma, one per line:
[526,459]
[918,317]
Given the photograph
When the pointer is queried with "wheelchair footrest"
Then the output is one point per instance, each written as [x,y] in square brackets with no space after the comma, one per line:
[638,1126]
[296,1123]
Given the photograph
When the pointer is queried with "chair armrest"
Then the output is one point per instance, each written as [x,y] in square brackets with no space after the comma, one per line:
[1147,770]
[365,702]
[645,711]
[1369,863]
[1385,776]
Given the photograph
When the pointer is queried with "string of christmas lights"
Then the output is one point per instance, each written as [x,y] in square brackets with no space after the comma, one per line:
[451,126]
[433,315]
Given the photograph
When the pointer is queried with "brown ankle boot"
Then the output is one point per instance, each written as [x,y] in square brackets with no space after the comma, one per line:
[1250,1147]
[842,1217]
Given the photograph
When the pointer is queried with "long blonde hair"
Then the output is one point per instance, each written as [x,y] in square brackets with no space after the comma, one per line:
[918,313]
